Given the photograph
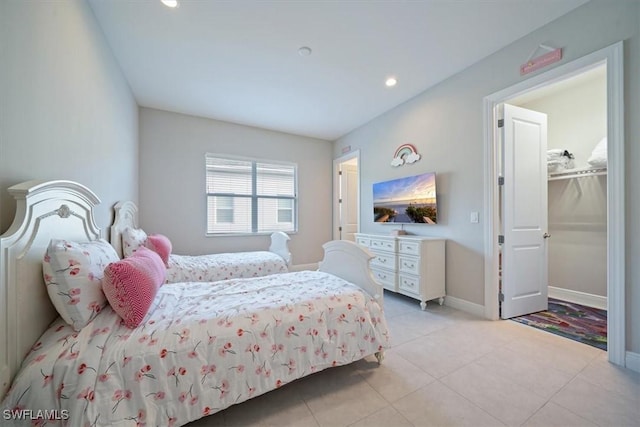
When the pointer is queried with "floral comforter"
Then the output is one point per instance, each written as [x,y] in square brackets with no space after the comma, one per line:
[214,267]
[201,348]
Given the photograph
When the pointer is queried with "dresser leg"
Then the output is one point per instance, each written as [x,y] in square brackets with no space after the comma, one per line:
[423,305]
[441,300]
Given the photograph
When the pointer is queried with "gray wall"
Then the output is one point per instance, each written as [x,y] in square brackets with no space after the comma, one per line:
[172,181]
[445,123]
[66,111]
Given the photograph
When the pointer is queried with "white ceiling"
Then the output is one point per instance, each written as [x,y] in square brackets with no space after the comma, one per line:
[238,60]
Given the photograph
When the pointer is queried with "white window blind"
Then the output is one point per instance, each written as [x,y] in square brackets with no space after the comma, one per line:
[250,195]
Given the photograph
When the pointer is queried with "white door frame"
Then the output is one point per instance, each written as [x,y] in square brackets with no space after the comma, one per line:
[336,190]
[612,56]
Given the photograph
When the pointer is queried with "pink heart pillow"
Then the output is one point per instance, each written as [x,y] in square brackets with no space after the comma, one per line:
[132,283]
[161,245]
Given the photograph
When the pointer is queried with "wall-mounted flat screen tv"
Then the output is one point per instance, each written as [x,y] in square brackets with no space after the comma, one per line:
[406,200]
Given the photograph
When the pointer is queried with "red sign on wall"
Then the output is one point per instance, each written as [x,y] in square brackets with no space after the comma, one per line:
[541,61]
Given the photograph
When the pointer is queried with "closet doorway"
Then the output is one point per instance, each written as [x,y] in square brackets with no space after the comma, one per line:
[576,202]
[576,219]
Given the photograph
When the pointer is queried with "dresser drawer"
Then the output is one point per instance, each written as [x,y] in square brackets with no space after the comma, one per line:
[383,259]
[386,278]
[363,241]
[409,284]
[409,248]
[409,264]
[383,244]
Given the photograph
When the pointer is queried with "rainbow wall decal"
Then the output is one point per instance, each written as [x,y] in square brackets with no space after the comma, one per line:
[405,154]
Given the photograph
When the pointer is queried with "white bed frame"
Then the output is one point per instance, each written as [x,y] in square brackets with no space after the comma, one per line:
[44,211]
[64,210]
[126,215]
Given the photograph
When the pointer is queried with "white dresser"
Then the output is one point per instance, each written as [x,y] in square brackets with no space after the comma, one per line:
[410,265]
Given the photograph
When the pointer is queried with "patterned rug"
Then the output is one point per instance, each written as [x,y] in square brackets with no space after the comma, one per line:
[574,321]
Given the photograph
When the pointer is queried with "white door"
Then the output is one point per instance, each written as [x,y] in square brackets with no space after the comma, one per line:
[348,203]
[524,212]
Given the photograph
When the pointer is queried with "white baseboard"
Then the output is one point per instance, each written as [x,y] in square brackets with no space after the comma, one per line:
[301,267]
[633,361]
[464,305]
[590,300]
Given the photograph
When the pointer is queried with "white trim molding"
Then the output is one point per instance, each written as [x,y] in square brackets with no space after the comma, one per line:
[302,267]
[633,361]
[577,297]
[464,305]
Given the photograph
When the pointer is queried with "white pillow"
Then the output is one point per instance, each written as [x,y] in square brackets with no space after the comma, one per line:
[73,275]
[598,156]
[132,239]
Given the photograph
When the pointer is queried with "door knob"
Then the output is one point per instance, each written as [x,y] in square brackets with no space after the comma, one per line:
[546,235]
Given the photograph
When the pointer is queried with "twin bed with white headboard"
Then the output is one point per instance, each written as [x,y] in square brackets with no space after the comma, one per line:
[44,210]
[126,236]
[201,347]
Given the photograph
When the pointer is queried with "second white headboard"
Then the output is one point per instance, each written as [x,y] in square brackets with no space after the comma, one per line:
[126,215]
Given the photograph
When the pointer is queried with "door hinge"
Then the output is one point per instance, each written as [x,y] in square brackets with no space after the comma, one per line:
[339,172]
[501,123]
[339,200]
[500,239]
[501,297]
[339,228]
[501,180]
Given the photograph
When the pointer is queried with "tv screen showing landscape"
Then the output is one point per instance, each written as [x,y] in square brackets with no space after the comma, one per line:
[406,200]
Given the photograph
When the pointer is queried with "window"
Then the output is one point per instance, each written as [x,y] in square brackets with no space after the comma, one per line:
[285,211]
[250,196]
[224,209]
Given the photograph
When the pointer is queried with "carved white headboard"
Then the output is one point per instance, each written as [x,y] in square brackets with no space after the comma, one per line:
[44,210]
[126,215]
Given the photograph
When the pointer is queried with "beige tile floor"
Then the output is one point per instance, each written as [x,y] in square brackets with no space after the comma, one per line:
[448,368]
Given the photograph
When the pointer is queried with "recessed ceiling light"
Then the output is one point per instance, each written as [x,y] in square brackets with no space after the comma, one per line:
[304,51]
[170,3]
[391,82]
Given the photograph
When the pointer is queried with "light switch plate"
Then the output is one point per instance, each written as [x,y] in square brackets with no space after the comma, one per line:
[474,217]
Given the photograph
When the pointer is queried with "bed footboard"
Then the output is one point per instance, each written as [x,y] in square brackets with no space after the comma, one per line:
[349,261]
[279,246]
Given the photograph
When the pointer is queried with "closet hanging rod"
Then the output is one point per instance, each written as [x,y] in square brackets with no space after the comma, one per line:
[577,173]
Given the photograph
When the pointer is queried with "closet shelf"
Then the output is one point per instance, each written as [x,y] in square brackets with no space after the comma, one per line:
[577,173]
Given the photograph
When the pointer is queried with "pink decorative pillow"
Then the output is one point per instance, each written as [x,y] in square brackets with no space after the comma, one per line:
[131,284]
[161,245]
